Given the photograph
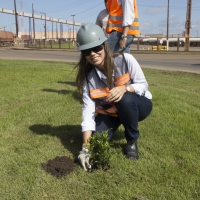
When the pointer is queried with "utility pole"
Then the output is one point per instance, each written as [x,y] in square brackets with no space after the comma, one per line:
[52,28]
[48,32]
[45,27]
[188,25]
[33,23]
[16,21]
[30,29]
[73,26]
[56,31]
[167,26]
[52,32]
[69,32]
[61,30]
[22,19]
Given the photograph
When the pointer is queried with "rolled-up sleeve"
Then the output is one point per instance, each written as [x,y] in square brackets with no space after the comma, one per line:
[128,12]
[88,110]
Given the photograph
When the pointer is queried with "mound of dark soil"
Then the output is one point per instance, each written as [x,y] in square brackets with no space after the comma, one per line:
[59,166]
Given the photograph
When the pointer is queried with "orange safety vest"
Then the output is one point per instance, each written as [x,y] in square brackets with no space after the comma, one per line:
[99,90]
[116,18]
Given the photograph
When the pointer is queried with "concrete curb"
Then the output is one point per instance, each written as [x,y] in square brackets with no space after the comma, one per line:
[39,49]
[132,51]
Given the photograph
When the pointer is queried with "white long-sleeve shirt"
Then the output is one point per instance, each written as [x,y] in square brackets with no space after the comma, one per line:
[140,86]
[128,12]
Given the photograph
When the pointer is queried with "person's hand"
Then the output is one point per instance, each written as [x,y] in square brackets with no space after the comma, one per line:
[84,157]
[116,94]
[122,43]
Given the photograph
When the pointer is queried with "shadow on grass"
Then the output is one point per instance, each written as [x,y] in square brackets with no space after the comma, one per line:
[64,92]
[116,141]
[72,83]
[70,136]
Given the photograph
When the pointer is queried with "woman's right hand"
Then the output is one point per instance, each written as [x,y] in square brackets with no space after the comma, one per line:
[116,94]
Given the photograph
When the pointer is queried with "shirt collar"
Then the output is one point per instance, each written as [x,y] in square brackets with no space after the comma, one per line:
[100,74]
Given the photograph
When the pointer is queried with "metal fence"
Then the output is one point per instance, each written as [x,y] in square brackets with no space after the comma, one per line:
[159,44]
[61,43]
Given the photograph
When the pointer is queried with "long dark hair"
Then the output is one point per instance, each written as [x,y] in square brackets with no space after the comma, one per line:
[84,67]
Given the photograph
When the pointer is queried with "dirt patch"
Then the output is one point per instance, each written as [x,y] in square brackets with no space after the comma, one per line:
[59,166]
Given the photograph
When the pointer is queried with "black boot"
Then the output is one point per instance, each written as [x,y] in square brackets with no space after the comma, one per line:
[131,150]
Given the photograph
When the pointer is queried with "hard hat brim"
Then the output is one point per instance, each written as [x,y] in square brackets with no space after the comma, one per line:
[92,44]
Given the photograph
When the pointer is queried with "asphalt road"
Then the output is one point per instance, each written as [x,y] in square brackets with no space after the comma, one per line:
[65,56]
[177,62]
[174,62]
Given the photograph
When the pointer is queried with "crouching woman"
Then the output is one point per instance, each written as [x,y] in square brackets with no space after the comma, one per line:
[114,91]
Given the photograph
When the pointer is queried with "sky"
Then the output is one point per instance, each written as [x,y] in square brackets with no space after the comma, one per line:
[152,14]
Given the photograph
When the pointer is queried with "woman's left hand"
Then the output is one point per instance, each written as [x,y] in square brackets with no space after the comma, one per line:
[122,43]
[116,94]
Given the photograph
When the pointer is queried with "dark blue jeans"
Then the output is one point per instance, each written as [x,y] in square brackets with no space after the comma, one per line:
[113,42]
[132,108]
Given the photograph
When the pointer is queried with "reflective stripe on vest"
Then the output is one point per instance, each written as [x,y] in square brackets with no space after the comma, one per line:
[103,92]
[122,80]
[116,18]
[110,111]
[98,89]
[99,93]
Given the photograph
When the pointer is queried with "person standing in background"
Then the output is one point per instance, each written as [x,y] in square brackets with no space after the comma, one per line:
[122,25]
[102,20]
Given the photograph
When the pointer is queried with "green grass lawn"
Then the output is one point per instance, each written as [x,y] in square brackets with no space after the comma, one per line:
[40,119]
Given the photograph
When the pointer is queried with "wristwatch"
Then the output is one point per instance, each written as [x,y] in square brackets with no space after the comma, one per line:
[128,88]
[124,36]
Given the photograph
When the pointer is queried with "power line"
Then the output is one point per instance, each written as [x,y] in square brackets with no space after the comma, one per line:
[28,8]
[69,6]
[89,9]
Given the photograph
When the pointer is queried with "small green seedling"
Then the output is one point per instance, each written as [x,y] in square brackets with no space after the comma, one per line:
[100,151]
